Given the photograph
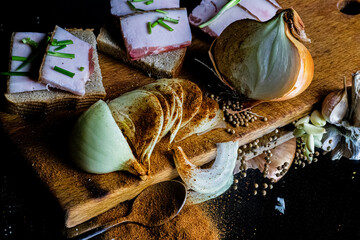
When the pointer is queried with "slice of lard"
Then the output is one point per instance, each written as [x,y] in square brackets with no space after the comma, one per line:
[260,10]
[81,65]
[17,84]
[122,7]
[233,14]
[140,43]
[263,9]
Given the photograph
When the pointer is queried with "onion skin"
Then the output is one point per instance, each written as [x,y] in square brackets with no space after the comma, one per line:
[236,63]
[306,71]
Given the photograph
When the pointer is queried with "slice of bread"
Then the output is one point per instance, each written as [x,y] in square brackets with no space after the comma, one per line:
[163,65]
[35,102]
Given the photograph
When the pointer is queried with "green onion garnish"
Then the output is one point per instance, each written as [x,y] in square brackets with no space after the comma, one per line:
[18,58]
[165,25]
[15,73]
[154,24]
[161,11]
[168,19]
[138,0]
[30,42]
[62,55]
[55,42]
[81,69]
[63,71]
[227,6]
[34,54]
[60,48]
[149,2]
[132,7]
[149,27]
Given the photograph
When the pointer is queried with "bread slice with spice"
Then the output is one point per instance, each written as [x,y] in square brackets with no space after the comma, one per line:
[51,99]
[163,65]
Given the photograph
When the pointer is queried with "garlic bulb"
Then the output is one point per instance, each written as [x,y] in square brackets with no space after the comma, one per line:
[331,138]
[335,106]
[355,100]
[264,60]
[97,145]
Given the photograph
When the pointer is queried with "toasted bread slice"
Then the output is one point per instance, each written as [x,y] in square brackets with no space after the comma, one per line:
[161,65]
[35,102]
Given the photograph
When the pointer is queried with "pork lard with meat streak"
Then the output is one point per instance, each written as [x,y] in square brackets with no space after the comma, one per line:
[261,10]
[17,84]
[81,65]
[140,43]
[121,7]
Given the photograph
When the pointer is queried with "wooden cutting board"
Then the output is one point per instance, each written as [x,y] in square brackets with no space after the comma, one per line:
[335,47]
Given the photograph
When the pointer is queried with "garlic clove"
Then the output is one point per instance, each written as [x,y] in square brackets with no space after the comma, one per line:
[311,129]
[317,118]
[301,121]
[309,142]
[298,132]
[335,106]
[317,142]
[307,154]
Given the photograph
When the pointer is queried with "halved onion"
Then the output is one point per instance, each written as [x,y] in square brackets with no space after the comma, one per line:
[97,145]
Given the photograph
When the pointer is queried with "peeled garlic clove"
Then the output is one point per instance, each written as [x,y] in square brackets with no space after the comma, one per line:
[335,106]
[317,143]
[298,132]
[317,118]
[311,129]
[309,142]
[301,121]
[307,154]
[250,56]
[317,140]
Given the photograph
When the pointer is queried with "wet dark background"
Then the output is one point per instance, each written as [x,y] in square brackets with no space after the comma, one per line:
[322,200]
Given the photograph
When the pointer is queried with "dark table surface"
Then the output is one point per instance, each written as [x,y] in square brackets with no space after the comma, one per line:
[321,200]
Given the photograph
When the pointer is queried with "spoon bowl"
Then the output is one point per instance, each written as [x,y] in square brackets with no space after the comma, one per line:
[153,207]
[158,203]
